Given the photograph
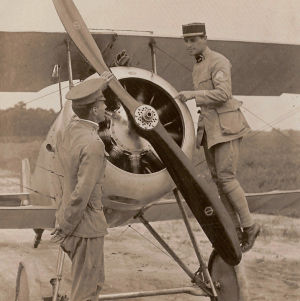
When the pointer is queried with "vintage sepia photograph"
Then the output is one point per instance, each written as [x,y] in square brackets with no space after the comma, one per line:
[150,150]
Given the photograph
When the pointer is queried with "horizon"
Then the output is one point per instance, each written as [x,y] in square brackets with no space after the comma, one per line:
[275,22]
[282,112]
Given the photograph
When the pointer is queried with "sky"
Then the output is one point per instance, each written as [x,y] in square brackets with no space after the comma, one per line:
[276,21]
[255,20]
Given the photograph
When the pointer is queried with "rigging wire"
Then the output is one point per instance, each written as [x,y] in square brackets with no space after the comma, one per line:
[279,119]
[173,58]
[149,240]
[51,171]
[50,93]
[199,163]
[271,125]
[121,234]
[42,96]
[30,189]
[282,117]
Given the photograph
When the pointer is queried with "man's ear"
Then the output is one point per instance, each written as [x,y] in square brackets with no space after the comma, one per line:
[94,109]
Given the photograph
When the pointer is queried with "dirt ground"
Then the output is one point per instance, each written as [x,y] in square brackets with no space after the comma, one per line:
[133,263]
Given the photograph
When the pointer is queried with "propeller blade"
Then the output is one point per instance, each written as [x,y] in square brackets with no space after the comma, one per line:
[201,198]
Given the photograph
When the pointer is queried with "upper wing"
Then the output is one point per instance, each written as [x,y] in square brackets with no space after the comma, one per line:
[27,60]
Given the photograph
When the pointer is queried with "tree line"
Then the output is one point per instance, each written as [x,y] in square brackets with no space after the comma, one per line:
[20,121]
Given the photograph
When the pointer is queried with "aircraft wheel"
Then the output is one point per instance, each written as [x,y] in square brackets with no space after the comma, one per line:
[224,278]
[28,284]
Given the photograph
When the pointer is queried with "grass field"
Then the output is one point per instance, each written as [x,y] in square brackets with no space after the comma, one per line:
[12,153]
[268,160]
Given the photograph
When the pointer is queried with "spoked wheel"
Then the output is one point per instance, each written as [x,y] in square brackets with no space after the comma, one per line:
[28,285]
[224,278]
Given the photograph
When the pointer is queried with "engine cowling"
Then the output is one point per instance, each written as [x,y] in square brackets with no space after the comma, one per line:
[134,175]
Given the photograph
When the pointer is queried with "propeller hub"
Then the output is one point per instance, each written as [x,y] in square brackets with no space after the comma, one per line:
[125,136]
[146,117]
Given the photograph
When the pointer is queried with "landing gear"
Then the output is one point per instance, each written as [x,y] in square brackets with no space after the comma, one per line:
[229,281]
[218,281]
[28,284]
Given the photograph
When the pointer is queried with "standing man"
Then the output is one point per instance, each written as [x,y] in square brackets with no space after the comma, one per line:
[221,126]
[81,221]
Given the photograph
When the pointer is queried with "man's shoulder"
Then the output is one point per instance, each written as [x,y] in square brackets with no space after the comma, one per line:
[94,146]
[218,57]
[84,138]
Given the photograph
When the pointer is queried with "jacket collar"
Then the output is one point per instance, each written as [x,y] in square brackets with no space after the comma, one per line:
[202,56]
[206,52]
[89,123]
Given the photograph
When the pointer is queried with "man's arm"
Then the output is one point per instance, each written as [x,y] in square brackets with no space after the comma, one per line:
[91,164]
[221,78]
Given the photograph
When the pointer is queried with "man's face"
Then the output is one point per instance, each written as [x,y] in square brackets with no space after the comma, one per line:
[98,110]
[195,45]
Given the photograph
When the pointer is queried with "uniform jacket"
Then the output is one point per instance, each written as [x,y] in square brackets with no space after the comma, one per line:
[82,155]
[220,115]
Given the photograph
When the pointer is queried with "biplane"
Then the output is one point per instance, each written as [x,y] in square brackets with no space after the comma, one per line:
[147,136]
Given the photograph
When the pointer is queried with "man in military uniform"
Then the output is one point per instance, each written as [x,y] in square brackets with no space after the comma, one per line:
[80,218]
[221,126]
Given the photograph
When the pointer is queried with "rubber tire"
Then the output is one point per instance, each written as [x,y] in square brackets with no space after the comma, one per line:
[28,284]
[225,275]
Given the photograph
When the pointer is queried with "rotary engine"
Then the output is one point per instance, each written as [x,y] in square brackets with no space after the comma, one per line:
[135,175]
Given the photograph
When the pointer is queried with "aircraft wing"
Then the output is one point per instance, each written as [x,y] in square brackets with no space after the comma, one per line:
[284,203]
[27,60]
[14,216]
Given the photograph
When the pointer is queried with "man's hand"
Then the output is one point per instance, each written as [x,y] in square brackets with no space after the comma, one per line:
[185,95]
[122,59]
[58,235]
[106,76]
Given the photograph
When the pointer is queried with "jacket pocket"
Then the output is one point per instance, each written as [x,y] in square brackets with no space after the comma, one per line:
[232,122]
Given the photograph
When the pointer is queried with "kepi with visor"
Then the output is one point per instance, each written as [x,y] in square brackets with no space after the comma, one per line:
[87,92]
[193,29]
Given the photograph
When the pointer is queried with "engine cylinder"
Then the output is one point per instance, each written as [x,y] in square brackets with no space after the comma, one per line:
[134,176]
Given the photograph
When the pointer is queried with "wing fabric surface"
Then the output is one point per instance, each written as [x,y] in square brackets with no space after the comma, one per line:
[257,68]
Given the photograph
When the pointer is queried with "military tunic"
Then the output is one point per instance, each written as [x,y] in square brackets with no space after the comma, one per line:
[80,214]
[221,126]
[220,115]
[82,156]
